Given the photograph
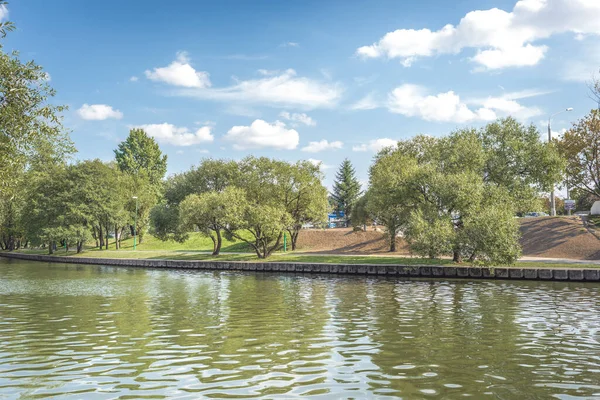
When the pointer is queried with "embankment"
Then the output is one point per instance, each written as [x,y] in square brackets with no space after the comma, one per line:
[413,271]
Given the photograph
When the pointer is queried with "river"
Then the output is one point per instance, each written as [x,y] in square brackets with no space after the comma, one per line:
[95,332]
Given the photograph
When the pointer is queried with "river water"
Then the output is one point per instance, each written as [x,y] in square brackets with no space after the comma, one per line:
[91,332]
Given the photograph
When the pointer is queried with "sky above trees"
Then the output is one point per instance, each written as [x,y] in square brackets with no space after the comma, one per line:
[310,80]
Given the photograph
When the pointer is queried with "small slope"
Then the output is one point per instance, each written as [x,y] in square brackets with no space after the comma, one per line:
[563,237]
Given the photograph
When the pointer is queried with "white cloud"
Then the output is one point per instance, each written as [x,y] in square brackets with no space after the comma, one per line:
[133,79]
[502,39]
[98,112]
[366,103]
[290,44]
[318,163]
[298,117]
[3,13]
[261,134]
[322,145]
[180,73]
[178,136]
[375,145]
[280,89]
[414,101]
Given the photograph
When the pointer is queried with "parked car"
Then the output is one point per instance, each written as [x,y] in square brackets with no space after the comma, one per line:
[535,214]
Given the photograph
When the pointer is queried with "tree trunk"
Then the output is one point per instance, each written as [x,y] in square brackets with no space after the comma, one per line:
[66,246]
[294,233]
[101,236]
[95,235]
[217,244]
[51,248]
[79,246]
[392,242]
[106,240]
[457,257]
[117,241]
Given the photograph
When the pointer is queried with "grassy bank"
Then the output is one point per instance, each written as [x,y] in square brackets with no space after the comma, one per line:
[288,257]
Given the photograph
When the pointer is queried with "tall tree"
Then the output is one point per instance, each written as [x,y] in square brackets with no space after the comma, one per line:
[302,194]
[31,134]
[581,148]
[140,157]
[517,159]
[346,189]
[389,200]
[29,121]
[140,154]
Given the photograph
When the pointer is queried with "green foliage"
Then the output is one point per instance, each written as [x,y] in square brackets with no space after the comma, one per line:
[303,195]
[518,160]
[211,213]
[580,146]
[389,198]
[139,154]
[30,125]
[459,194]
[430,238]
[346,188]
[164,222]
[491,235]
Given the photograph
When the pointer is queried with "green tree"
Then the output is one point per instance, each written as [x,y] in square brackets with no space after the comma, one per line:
[261,211]
[210,175]
[517,159]
[140,154]
[140,157]
[346,189]
[580,146]
[209,212]
[303,195]
[389,200]
[440,195]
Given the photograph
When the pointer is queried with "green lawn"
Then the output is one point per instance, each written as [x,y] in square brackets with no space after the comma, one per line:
[288,257]
[196,242]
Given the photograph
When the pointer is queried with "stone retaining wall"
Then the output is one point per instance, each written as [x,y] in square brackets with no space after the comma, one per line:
[426,271]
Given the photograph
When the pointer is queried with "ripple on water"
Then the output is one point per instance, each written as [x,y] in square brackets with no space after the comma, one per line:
[86,332]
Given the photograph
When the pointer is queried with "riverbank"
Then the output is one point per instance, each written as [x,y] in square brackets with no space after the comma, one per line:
[405,270]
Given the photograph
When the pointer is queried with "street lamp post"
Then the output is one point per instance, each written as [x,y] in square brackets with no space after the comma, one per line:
[552,200]
[135,222]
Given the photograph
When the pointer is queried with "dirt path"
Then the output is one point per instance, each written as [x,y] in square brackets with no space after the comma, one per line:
[559,238]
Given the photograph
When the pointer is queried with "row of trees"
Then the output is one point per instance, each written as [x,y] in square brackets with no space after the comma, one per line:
[261,197]
[455,195]
[74,203]
[459,194]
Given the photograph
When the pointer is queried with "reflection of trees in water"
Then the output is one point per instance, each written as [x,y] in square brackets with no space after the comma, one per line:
[440,333]
[211,333]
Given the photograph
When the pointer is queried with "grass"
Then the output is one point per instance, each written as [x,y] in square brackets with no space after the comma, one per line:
[594,221]
[288,257]
[196,242]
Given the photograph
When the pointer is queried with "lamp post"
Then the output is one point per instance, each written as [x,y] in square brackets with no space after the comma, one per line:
[135,221]
[552,200]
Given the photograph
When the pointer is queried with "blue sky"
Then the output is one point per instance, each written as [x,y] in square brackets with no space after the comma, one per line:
[320,80]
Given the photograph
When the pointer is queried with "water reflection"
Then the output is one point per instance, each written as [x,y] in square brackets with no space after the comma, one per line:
[101,332]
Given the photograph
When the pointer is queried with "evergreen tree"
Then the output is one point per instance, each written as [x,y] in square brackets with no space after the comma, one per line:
[140,153]
[346,189]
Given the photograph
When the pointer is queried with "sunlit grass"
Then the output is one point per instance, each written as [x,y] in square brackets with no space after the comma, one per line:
[287,257]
